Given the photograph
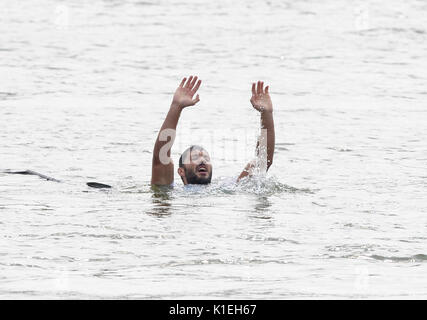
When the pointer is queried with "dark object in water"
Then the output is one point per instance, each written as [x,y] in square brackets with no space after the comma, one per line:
[98,185]
[30,172]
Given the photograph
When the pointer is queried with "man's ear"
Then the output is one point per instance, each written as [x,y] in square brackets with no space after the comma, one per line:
[181,172]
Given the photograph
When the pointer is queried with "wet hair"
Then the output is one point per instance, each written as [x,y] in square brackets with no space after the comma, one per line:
[186,152]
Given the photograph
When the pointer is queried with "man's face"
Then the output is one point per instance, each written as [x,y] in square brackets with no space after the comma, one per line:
[198,167]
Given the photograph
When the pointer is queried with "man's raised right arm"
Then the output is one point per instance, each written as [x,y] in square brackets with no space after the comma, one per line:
[162,172]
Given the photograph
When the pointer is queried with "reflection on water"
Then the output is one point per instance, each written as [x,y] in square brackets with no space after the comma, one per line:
[262,204]
[343,204]
[161,199]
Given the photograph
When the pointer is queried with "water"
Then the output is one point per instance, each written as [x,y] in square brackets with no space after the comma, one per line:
[85,87]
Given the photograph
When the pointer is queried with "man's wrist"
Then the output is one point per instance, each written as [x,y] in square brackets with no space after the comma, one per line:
[176,106]
[266,112]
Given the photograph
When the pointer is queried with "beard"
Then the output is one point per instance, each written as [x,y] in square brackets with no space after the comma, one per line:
[192,178]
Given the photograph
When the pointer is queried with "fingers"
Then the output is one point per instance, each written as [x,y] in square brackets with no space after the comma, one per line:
[187,85]
[193,83]
[182,83]
[197,86]
[197,99]
[259,88]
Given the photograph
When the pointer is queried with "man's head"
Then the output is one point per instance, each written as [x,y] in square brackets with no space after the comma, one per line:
[195,166]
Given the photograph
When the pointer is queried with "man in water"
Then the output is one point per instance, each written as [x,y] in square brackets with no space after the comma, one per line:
[194,164]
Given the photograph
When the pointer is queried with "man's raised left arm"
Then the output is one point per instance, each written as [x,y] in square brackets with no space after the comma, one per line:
[261,102]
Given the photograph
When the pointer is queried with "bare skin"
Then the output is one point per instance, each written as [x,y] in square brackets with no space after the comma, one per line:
[261,102]
[162,173]
[197,165]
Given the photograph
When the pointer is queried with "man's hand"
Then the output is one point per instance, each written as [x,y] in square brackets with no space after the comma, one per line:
[183,96]
[261,100]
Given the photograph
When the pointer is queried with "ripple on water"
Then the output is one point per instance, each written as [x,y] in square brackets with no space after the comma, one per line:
[414,258]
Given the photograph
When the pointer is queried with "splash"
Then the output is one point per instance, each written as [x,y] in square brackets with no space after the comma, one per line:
[257,185]
[263,185]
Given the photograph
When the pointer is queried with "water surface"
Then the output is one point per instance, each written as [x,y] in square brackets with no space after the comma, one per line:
[85,88]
